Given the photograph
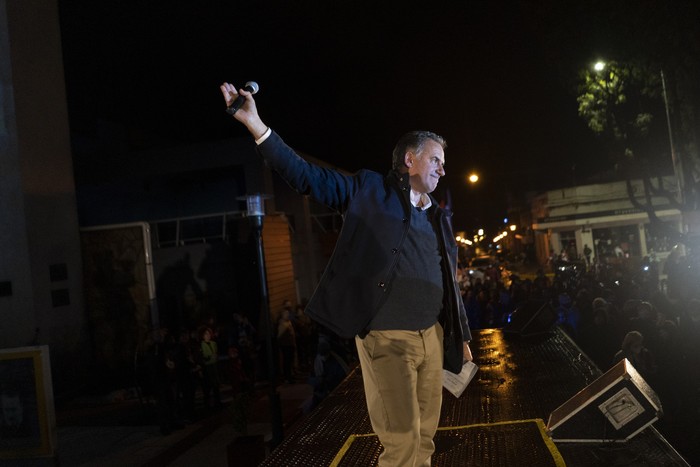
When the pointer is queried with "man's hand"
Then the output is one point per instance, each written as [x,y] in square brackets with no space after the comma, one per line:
[467,352]
[248,113]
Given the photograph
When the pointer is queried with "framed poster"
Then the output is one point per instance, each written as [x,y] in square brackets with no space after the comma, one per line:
[27,416]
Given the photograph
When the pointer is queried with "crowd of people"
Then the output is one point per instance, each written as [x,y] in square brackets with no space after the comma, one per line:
[172,367]
[181,374]
[612,312]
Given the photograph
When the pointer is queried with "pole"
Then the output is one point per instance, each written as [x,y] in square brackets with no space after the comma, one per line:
[677,167]
[273,395]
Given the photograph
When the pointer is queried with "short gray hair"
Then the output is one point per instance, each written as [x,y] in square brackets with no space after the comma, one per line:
[413,141]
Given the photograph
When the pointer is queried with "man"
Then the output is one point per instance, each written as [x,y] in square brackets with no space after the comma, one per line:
[587,254]
[390,282]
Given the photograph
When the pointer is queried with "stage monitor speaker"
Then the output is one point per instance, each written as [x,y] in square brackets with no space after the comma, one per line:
[532,318]
[614,407]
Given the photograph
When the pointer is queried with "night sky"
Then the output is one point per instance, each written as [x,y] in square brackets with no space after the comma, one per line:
[342,80]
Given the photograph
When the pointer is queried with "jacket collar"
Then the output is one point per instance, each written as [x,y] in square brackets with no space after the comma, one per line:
[401,180]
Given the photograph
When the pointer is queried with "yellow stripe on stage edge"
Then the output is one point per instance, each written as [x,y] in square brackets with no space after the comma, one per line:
[556,455]
[341,453]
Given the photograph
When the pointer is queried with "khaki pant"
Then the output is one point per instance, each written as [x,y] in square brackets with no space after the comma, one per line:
[402,374]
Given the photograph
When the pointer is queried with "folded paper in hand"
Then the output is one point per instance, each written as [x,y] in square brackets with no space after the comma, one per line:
[456,384]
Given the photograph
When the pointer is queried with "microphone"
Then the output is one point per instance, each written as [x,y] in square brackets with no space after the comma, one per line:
[250,86]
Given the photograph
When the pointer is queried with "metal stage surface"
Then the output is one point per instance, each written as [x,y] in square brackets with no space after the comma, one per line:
[498,421]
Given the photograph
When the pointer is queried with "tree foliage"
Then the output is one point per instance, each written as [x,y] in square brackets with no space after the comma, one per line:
[621,102]
[625,106]
[624,102]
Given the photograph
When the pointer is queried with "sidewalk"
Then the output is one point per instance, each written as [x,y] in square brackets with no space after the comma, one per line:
[123,433]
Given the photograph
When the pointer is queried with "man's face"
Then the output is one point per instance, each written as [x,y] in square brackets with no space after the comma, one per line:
[426,167]
[12,410]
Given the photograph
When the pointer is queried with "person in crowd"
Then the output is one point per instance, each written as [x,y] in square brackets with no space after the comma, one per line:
[482,300]
[288,307]
[237,376]
[286,341]
[165,380]
[505,304]
[587,254]
[619,252]
[552,261]
[195,346]
[674,270]
[630,309]
[665,309]
[567,315]
[243,337]
[390,283]
[242,390]
[541,280]
[489,317]
[472,309]
[645,322]
[564,256]
[215,328]
[188,371]
[599,337]
[303,332]
[639,356]
[210,379]
[492,273]
[519,293]
[462,279]
[328,372]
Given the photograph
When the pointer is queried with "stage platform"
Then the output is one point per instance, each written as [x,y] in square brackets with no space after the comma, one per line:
[500,420]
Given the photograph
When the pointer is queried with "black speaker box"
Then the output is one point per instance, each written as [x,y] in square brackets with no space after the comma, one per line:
[614,407]
[532,318]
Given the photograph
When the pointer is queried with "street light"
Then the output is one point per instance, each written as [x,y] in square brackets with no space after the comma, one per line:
[473,178]
[677,168]
[255,211]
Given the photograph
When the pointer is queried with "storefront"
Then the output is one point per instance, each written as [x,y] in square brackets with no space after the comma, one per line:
[599,220]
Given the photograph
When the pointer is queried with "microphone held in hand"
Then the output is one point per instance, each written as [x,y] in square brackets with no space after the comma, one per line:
[252,87]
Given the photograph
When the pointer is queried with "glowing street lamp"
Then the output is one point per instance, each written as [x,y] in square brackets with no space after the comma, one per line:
[473,178]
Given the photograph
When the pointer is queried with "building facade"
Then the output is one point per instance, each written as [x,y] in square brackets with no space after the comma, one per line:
[41,300]
[600,219]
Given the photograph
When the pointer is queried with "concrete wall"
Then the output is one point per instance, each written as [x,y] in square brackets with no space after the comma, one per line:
[38,217]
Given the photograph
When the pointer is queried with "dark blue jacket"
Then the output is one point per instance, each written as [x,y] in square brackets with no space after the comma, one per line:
[376,217]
